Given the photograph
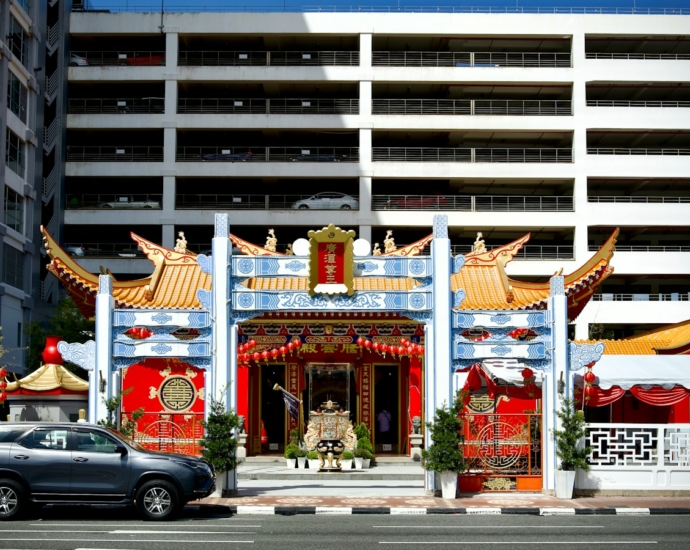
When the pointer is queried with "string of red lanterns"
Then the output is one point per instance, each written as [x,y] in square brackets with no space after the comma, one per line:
[244,357]
[589,378]
[406,347]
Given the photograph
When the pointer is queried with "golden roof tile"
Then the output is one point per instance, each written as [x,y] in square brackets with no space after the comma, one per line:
[302,283]
[47,378]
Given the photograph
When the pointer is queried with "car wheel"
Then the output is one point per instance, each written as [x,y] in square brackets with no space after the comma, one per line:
[157,500]
[148,206]
[345,207]
[107,206]
[12,499]
[303,207]
[73,64]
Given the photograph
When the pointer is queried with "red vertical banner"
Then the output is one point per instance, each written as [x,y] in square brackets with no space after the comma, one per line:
[365,394]
[415,389]
[243,394]
[293,389]
[331,263]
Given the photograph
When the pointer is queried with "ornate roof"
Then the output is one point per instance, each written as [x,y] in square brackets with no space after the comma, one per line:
[668,340]
[48,379]
[488,287]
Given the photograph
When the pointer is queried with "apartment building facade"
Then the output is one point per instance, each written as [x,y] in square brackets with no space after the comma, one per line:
[562,126]
[22,55]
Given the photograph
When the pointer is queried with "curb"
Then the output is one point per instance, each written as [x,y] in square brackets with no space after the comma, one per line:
[341,510]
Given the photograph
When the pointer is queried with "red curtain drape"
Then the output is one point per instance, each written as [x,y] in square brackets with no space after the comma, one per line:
[599,397]
[658,396]
[476,375]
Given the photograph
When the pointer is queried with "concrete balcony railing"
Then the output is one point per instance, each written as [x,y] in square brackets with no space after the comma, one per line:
[636,151]
[112,153]
[298,106]
[122,58]
[509,107]
[471,154]
[529,252]
[626,103]
[226,201]
[480,203]
[268,154]
[470,59]
[639,200]
[667,297]
[116,106]
[103,250]
[645,248]
[271,59]
[645,56]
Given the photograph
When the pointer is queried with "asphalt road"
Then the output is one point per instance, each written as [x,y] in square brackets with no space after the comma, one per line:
[209,528]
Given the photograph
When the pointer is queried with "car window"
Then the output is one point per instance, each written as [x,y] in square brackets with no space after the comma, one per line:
[11,433]
[95,442]
[51,438]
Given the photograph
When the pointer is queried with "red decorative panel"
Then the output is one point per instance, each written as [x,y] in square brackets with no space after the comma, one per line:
[293,388]
[172,394]
[331,263]
[365,394]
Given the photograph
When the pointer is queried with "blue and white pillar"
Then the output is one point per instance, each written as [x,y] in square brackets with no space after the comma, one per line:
[105,304]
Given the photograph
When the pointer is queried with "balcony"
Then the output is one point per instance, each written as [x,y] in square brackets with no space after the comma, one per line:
[471,107]
[645,248]
[528,252]
[481,203]
[644,56]
[117,58]
[111,153]
[227,201]
[103,250]
[636,151]
[649,104]
[668,297]
[116,106]
[118,201]
[236,106]
[470,59]
[640,200]
[471,154]
[268,154]
[271,58]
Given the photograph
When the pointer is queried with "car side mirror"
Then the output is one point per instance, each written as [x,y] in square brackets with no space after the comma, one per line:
[121,449]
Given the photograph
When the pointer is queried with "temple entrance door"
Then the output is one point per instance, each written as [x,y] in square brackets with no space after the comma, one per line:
[330,381]
[387,413]
[273,416]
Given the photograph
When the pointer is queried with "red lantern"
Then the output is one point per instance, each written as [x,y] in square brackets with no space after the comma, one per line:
[256,355]
[384,348]
[264,355]
[298,342]
[410,349]
[375,346]
[3,372]
[527,373]
[3,384]
[252,344]
[360,341]
[588,391]
[367,344]
[283,350]
[589,377]
[274,353]
[402,341]
[290,346]
[3,396]
[241,348]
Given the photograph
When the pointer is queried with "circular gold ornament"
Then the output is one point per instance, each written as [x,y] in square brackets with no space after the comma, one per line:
[177,394]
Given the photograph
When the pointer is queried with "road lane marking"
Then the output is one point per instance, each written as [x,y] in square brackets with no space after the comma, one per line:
[148,532]
[97,524]
[143,540]
[492,527]
[48,531]
[525,542]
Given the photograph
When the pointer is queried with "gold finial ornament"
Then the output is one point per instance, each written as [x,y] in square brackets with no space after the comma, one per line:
[376,251]
[181,243]
[271,241]
[479,247]
[389,243]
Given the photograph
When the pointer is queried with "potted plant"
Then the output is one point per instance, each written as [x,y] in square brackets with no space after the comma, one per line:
[301,455]
[291,451]
[314,462]
[346,460]
[219,442]
[364,442]
[569,449]
[359,458]
[445,454]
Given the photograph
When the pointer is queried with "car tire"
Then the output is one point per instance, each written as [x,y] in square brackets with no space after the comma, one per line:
[345,207]
[303,207]
[107,206]
[157,500]
[12,499]
[148,206]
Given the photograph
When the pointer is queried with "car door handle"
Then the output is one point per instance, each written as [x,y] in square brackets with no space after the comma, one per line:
[21,457]
[80,459]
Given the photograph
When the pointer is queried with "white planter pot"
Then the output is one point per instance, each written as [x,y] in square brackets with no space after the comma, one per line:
[291,463]
[565,483]
[358,462]
[365,463]
[449,483]
[301,462]
[346,464]
[314,464]
[220,481]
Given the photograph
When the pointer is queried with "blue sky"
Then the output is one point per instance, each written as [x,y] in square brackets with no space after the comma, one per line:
[296,4]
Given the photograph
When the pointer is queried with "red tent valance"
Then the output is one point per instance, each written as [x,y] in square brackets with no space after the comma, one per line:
[476,375]
[656,395]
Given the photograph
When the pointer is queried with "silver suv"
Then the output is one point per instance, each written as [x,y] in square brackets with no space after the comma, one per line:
[43,462]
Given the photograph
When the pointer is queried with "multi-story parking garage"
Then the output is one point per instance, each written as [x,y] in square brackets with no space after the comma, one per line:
[563,126]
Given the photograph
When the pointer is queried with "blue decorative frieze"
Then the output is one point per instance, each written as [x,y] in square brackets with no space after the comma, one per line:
[205,263]
[123,362]
[242,316]
[458,298]
[458,263]
[394,266]
[83,355]
[123,350]
[200,362]
[124,318]
[204,297]
[161,349]
[539,364]
[161,318]
[487,350]
[514,319]
[198,319]
[165,334]
[420,316]
[582,355]
[268,266]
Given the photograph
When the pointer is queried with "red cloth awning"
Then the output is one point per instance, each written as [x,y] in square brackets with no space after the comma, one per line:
[656,395]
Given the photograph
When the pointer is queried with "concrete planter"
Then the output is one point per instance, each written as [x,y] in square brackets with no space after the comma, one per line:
[314,464]
[565,483]
[365,463]
[449,484]
[358,462]
[301,462]
[346,464]
[291,462]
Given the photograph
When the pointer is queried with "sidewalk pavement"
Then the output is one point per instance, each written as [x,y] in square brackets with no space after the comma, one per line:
[270,488]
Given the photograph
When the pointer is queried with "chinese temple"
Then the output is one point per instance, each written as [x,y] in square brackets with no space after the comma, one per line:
[398,330]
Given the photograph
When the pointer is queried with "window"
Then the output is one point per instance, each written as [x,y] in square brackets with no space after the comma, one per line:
[55,439]
[12,266]
[25,4]
[18,41]
[95,442]
[14,153]
[14,210]
[10,434]
[17,97]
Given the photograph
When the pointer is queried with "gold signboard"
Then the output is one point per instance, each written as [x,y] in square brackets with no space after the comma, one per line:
[331,261]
